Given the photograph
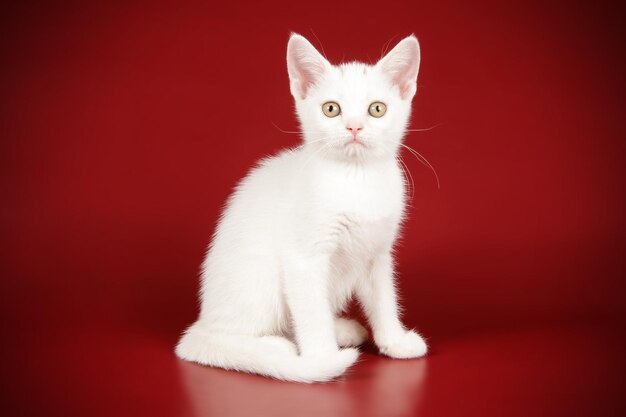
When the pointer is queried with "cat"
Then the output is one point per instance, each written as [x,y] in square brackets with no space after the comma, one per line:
[309,228]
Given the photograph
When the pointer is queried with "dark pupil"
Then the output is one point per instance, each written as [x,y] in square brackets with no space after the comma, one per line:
[331,108]
[378,109]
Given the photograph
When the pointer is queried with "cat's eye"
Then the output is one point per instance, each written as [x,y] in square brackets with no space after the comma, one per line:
[378,109]
[331,109]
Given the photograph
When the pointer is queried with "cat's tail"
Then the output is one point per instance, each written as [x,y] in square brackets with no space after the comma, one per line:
[272,356]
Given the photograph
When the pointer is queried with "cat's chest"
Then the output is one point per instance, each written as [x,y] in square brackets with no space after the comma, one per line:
[359,235]
[366,198]
[361,210]
[358,212]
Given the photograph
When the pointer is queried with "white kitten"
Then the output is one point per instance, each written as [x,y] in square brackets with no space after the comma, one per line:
[310,227]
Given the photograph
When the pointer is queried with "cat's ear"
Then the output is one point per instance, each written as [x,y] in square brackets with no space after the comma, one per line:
[305,65]
[401,65]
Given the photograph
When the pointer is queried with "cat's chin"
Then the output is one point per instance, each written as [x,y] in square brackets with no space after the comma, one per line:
[355,143]
[357,156]
[356,150]
[357,153]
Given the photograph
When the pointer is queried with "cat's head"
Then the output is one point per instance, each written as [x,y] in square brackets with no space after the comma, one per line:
[353,111]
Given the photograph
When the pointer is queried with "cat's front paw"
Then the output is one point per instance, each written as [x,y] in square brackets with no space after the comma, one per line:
[404,345]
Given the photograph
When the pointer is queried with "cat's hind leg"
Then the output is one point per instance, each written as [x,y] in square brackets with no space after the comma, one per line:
[272,356]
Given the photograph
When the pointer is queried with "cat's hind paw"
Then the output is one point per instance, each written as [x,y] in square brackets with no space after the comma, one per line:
[350,333]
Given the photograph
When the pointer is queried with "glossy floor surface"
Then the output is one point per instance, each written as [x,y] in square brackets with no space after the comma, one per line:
[550,371]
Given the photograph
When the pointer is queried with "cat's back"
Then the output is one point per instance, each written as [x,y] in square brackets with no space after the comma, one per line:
[263,194]
[243,246]
[269,179]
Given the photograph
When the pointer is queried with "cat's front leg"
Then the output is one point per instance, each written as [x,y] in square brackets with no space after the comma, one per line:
[379,300]
[306,283]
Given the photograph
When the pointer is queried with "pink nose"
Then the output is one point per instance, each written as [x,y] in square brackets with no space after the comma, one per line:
[354,130]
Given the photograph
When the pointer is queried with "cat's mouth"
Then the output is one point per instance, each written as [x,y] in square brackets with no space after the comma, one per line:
[354,141]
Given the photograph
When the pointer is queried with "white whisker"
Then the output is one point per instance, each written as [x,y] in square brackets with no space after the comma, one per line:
[424,162]
[405,171]
[425,129]
[320,42]
[285,131]
[386,46]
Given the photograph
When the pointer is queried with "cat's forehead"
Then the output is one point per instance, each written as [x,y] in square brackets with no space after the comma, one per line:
[355,79]
[354,71]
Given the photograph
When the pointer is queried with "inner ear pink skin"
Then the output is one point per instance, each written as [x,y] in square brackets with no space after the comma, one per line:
[304,64]
[401,65]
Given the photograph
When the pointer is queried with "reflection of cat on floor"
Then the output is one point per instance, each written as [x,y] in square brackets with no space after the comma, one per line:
[391,389]
[309,228]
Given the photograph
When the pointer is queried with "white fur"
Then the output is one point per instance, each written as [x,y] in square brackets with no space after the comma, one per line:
[307,229]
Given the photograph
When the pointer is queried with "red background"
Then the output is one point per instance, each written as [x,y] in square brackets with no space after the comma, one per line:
[123,129]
